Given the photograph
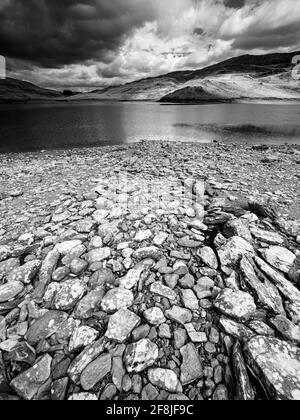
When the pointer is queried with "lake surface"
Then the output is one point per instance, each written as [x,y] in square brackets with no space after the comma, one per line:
[36,126]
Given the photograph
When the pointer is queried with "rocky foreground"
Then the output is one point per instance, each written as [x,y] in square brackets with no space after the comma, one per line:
[154,271]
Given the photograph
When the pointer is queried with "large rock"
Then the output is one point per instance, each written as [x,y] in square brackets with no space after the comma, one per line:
[99,255]
[236,329]
[244,388]
[190,300]
[115,299]
[238,227]
[287,329]
[294,273]
[8,266]
[233,250]
[158,288]
[151,252]
[154,316]
[140,356]
[28,383]
[191,368]
[263,290]
[82,337]
[277,364]
[10,291]
[89,304]
[235,304]
[278,257]
[285,286]
[64,248]
[271,238]
[164,379]
[95,372]
[45,326]
[131,279]
[121,324]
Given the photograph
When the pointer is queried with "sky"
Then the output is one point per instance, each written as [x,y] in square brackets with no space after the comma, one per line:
[84,44]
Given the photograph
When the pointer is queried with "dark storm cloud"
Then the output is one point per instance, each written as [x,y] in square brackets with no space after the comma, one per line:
[235,4]
[52,33]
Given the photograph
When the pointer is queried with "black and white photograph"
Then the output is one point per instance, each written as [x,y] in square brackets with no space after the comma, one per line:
[150,203]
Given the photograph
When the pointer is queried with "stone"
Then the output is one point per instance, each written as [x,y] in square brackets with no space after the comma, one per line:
[151,252]
[95,372]
[171,280]
[143,235]
[59,389]
[191,368]
[121,324]
[83,396]
[286,329]
[294,273]
[165,331]
[277,364]
[141,332]
[10,291]
[45,326]
[89,304]
[180,315]
[82,337]
[5,252]
[190,300]
[187,282]
[268,237]
[150,393]
[244,388]
[159,289]
[208,257]
[140,356]
[164,379]
[233,250]
[195,337]
[45,274]
[180,338]
[263,290]
[118,372]
[154,316]
[85,225]
[238,227]
[101,277]
[69,294]
[28,383]
[131,279]
[98,255]
[237,330]
[278,257]
[261,328]
[78,266]
[221,394]
[8,266]
[289,291]
[60,274]
[64,248]
[115,299]
[26,273]
[89,354]
[160,238]
[237,305]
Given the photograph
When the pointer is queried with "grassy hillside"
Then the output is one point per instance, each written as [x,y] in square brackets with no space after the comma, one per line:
[12,90]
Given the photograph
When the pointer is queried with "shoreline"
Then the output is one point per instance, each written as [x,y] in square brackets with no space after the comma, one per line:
[152,271]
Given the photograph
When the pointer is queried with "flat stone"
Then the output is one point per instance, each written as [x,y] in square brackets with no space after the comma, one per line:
[45,274]
[100,215]
[45,326]
[131,279]
[191,368]
[66,247]
[238,227]
[278,257]
[154,316]
[294,273]
[26,273]
[101,277]
[140,356]
[5,252]
[233,250]
[160,238]
[286,329]
[69,294]
[289,291]
[237,330]
[89,304]
[82,337]
[180,315]
[85,225]
[8,266]
[277,364]
[99,255]
[115,299]
[244,388]
[238,305]
[10,290]
[164,379]
[95,372]
[28,383]
[190,300]
[83,396]
[208,257]
[271,238]
[264,291]
[78,266]
[121,324]
[159,289]
[89,354]
[143,235]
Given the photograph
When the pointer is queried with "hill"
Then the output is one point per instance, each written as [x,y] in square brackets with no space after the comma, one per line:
[13,90]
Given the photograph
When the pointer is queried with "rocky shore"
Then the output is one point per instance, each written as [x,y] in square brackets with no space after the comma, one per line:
[153,271]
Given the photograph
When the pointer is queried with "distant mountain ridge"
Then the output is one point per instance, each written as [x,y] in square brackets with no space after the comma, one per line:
[247,77]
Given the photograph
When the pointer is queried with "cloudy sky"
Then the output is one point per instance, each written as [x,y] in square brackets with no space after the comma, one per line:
[91,43]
